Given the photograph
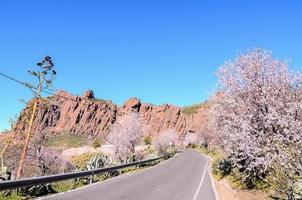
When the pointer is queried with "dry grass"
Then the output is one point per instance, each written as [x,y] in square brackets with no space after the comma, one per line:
[226,192]
[189,110]
[66,141]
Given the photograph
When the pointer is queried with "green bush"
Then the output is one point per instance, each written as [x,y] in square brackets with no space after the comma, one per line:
[215,170]
[192,146]
[96,144]
[148,140]
[224,167]
[221,167]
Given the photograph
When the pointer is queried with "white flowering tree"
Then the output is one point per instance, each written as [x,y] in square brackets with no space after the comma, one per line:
[125,135]
[259,117]
[164,140]
[51,162]
[191,139]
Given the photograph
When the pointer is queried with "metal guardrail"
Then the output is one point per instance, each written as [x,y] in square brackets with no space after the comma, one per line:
[13,184]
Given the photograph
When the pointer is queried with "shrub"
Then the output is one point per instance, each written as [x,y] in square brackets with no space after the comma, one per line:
[96,144]
[224,167]
[221,167]
[147,140]
[165,141]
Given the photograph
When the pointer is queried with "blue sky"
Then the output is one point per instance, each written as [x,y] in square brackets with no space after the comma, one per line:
[162,51]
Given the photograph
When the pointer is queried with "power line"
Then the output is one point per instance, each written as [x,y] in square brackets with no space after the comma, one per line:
[21,82]
[13,79]
[44,90]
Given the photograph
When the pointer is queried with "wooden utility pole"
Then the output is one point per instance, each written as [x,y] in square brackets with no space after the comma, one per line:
[43,83]
[32,119]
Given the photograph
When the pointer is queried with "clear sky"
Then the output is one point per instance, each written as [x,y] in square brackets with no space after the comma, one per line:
[162,51]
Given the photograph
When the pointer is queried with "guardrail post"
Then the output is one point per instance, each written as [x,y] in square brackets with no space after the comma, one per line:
[90,179]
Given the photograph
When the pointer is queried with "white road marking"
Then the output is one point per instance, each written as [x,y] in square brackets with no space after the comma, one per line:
[212,180]
[201,180]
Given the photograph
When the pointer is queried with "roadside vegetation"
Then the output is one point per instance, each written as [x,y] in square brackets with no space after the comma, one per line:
[253,130]
[128,145]
[258,119]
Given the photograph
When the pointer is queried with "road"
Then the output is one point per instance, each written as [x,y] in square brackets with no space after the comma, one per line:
[183,177]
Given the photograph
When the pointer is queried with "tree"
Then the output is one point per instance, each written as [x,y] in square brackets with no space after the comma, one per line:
[124,135]
[51,162]
[164,140]
[258,115]
[191,139]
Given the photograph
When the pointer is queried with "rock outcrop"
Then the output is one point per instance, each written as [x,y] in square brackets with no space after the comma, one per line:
[66,113]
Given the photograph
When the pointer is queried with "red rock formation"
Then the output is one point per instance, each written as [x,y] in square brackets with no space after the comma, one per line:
[65,113]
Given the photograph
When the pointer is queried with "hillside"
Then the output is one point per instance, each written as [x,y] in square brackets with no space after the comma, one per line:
[86,115]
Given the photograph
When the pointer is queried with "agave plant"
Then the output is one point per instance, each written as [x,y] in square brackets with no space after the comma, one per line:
[96,162]
[298,188]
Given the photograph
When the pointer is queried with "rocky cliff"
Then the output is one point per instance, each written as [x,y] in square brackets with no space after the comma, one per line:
[66,113]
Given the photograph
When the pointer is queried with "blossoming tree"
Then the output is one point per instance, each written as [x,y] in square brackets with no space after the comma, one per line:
[125,135]
[259,117]
[164,140]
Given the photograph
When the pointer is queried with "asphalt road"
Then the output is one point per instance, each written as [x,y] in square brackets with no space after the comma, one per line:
[183,177]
